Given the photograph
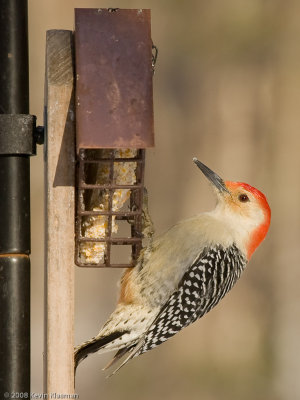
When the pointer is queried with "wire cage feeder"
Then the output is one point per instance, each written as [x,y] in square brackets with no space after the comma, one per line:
[110,189]
[114,125]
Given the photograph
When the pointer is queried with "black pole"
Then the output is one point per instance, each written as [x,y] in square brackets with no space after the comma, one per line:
[14,209]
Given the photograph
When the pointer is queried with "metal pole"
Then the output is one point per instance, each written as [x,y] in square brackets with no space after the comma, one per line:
[14,209]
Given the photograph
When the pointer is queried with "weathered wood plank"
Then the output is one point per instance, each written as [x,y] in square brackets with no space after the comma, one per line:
[60,174]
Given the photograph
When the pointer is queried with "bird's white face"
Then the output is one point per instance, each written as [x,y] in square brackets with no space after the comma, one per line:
[247,211]
[242,202]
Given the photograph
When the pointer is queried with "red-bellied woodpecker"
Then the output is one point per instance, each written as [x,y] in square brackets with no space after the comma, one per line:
[184,273]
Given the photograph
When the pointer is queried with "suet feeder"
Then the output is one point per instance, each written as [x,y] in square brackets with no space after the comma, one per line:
[114,125]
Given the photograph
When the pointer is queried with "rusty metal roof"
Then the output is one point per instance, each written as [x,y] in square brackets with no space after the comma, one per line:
[114,95]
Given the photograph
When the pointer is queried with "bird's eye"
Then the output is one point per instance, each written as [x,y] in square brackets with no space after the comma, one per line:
[243,198]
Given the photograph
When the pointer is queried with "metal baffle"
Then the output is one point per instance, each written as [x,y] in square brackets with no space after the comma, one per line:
[114,112]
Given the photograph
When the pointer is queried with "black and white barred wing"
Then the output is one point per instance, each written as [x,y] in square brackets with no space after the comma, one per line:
[202,286]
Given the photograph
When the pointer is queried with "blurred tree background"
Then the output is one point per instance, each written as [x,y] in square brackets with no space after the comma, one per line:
[227,90]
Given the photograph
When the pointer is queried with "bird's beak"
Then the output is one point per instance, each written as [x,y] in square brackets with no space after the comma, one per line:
[212,176]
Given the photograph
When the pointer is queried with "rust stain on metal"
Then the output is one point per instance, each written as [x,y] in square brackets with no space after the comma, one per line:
[114,94]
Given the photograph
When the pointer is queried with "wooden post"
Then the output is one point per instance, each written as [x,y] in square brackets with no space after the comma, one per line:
[60,180]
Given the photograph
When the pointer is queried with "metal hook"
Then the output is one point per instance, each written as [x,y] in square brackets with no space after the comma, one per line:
[154,57]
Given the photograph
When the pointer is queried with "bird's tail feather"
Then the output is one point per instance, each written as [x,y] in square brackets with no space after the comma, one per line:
[94,345]
[118,355]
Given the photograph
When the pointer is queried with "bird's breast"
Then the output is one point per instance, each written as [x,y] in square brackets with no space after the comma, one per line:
[162,267]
